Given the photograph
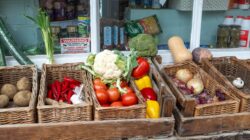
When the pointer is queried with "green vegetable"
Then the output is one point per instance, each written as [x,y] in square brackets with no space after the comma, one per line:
[2,57]
[111,66]
[144,44]
[8,42]
[42,20]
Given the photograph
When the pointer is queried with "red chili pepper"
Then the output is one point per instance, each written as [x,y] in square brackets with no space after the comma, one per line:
[54,91]
[58,88]
[142,68]
[70,80]
[70,93]
[49,86]
[72,86]
[50,94]
[65,85]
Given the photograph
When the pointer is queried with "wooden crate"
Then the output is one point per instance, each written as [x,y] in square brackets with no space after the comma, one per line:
[63,112]
[187,104]
[225,70]
[15,114]
[215,124]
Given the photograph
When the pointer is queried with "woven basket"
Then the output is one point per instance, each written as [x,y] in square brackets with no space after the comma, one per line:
[208,5]
[225,70]
[187,104]
[113,113]
[68,112]
[19,115]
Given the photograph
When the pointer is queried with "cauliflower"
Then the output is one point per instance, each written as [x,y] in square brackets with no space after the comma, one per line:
[105,65]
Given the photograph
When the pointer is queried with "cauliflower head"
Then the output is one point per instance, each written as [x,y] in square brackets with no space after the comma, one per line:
[104,65]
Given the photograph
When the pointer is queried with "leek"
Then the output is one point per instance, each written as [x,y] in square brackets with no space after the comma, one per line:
[42,21]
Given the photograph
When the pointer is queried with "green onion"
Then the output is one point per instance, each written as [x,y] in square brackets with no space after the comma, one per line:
[42,21]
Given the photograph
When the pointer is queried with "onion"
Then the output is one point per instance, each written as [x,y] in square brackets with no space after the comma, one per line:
[195,84]
[184,75]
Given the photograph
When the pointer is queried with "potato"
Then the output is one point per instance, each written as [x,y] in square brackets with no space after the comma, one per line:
[22,98]
[4,101]
[9,90]
[23,84]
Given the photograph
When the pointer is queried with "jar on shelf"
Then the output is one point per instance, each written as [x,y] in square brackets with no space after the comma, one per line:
[223,35]
[234,36]
[60,10]
[70,11]
[72,31]
[55,30]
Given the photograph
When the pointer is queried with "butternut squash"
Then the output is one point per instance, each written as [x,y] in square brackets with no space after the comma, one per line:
[178,50]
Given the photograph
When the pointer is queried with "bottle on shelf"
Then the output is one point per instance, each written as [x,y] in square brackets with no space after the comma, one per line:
[229,20]
[244,4]
[238,20]
[244,33]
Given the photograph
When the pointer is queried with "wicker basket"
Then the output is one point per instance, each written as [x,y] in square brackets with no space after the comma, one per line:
[63,113]
[19,115]
[225,70]
[113,113]
[208,5]
[187,104]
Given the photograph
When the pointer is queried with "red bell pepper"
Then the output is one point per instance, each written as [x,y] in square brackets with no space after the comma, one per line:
[149,94]
[142,68]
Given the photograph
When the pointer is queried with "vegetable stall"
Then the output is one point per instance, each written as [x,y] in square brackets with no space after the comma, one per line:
[125,90]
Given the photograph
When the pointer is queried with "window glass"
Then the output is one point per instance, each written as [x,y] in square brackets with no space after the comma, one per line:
[122,20]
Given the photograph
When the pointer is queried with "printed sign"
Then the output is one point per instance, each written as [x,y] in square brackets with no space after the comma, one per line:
[75,45]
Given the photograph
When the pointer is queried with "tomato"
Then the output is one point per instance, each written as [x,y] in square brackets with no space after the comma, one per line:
[98,84]
[129,99]
[113,94]
[102,96]
[129,89]
[117,104]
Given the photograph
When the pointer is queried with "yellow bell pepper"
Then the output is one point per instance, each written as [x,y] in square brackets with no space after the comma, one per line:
[153,109]
[144,82]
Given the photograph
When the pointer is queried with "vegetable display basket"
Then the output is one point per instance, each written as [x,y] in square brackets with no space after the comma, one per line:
[187,104]
[63,112]
[115,113]
[225,70]
[208,5]
[19,115]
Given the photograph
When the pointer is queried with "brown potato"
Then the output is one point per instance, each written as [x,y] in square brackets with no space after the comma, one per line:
[4,101]
[22,98]
[9,90]
[23,84]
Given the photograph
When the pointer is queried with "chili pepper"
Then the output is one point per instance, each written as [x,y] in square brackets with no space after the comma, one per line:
[149,94]
[142,68]
[72,86]
[50,94]
[54,91]
[65,85]
[153,109]
[58,88]
[70,93]
[143,82]
[70,80]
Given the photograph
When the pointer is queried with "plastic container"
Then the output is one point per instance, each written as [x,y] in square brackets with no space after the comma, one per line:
[238,20]
[229,20]
[244,33]
[244,4]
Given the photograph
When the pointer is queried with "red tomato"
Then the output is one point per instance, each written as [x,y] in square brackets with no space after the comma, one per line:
[98,84]
[129,99]
[117,104]
[113,94]
[129,89]
[102,96]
